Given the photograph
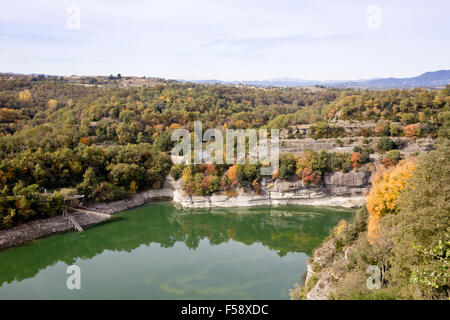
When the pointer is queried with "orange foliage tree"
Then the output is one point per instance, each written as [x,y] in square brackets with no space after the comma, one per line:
[386,186]
[311,177]
[356,159]
[174,126]
[305,161]
[412,130]
[232,175]
[85,141]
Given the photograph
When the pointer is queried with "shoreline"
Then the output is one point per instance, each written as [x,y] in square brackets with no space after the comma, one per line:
[45,227]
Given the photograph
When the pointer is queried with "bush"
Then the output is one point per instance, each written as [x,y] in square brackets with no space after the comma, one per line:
[413,130]
[214,184]
[288,163]
[176,171]
[365,156]
[394,155]
[321,130]
[385,144]
[311,177]
[106,191]
[357,149]
[360,220]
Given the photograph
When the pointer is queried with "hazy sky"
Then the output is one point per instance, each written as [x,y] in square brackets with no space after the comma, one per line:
[227,40]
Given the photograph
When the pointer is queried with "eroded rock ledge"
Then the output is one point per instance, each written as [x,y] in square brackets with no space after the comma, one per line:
[339,189]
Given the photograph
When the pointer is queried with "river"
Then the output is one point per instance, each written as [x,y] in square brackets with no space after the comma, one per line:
[161,252]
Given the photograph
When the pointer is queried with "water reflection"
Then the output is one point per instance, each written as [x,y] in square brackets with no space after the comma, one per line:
[279,229]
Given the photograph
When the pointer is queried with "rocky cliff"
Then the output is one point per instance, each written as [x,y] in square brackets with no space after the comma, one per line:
[339,189]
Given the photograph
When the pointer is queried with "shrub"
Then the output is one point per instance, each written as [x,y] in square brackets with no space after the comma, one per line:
[106,191]
[311,177]
[394,129]
[288,163]
[356,159]
[382,128]
[394,155]
[214,184]
[322,130]
[365,156]
[357,149]
[408,118]
[412,130]
[225,182]
[385,144]
[233,175]
[176,171]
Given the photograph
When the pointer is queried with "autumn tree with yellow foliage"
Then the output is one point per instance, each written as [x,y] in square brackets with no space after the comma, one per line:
[387,185]
[25,95]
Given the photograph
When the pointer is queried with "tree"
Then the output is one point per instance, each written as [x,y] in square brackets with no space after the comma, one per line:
[25,95]
[39,174]
[214,184]
[89,181]
[356,159]
[233,175]
[288,163]
[133,187]
[385,144]
[386,187]
[85,141]
[52,104]
[126,133]
[311,177]
[422,252]
[412,130]
[123,174]
[305,161]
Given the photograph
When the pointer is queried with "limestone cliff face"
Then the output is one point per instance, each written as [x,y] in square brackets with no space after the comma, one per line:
[339,189]
[323,283]
[347,184]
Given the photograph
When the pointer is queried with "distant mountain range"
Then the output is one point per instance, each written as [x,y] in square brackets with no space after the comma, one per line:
[428,79]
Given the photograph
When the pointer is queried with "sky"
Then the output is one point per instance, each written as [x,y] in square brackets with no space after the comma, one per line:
[226,40]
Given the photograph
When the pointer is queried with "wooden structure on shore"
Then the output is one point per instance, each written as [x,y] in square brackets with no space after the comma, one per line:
[75,200]
[74,222]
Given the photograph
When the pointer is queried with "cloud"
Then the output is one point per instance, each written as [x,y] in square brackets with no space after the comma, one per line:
[276,42]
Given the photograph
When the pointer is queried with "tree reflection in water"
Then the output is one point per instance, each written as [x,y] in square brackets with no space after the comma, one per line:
[281,229]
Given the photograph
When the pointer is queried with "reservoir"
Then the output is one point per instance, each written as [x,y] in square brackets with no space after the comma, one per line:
[161,252]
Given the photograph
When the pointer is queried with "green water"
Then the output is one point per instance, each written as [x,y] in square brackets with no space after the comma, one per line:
[160,252]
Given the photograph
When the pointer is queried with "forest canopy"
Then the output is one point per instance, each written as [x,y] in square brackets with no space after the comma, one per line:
[109,141]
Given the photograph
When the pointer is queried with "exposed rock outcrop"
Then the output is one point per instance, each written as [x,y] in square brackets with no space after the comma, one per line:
[320,259]
[339,189]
